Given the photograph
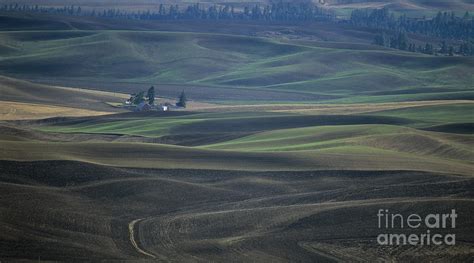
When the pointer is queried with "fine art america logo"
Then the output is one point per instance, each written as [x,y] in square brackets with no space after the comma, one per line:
[389,222]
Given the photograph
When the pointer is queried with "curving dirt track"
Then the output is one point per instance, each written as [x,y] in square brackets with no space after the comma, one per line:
[131,227]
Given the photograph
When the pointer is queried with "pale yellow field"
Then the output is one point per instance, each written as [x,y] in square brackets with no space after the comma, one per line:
[326,109]
[23,111]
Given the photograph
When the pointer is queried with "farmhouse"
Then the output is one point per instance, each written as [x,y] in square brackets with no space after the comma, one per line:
[143,106]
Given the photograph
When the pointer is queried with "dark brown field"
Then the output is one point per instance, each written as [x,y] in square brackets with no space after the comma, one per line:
[84,211]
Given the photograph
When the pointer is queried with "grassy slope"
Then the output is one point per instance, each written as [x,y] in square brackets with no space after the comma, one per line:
[234,122]
[443,114]
[259,141]
[266,118]
[371,138]
[234,62]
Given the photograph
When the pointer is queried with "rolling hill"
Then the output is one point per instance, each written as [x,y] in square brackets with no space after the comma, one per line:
[404,5]
[257,185]
[80,211]
[257,141]
[294,138]
[214,66]
[16,90]
[25,100]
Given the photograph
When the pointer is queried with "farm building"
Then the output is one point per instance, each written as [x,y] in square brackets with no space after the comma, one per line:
[143,106]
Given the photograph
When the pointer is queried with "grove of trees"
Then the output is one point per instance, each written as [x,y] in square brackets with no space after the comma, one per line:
[445,26]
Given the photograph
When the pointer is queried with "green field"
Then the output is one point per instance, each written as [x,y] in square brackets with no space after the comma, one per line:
[398,134]
[459,113]
[215,66]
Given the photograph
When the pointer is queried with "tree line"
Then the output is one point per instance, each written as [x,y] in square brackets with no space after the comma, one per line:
[401,41]
[444,25]
[281,11]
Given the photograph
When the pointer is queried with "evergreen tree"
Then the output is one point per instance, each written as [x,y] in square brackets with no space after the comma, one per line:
[138,98]
[428,49]
[162,10]
[182,100]
[444,47]
[466,16]
[151,95]
[380,39]
[402,41]
[451,51]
